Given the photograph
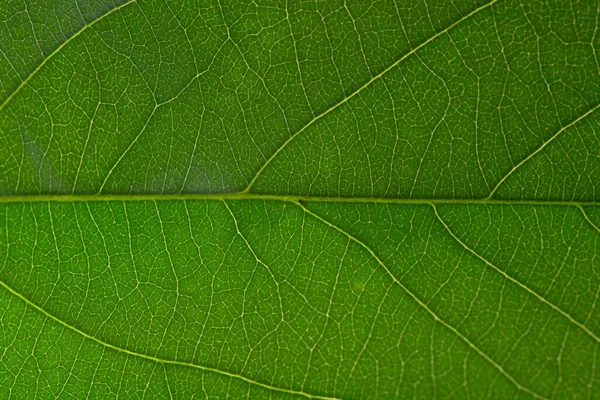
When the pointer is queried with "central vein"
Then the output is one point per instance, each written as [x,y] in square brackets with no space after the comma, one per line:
[283,197]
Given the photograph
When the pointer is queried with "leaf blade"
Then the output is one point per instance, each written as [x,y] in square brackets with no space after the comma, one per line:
[188,208]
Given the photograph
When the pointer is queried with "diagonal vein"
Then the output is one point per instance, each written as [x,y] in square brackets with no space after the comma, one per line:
[256,257]
[539,149]
[59,48]
[516,282]
[587,218]
[157,359]
[360,89]
[437,318]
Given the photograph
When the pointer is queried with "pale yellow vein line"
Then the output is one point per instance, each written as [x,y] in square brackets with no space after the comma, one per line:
[546,143]
[516,282]
[59,48]
[237,196]
[156,359]
[360,89]
[472,345]
[588,218]
[258,260]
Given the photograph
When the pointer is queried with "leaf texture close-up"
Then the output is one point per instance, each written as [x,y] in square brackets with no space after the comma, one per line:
[303,199]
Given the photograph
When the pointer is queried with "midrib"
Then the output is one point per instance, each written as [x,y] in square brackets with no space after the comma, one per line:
[284,198]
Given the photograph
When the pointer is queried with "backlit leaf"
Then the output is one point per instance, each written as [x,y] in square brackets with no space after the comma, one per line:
[324,199]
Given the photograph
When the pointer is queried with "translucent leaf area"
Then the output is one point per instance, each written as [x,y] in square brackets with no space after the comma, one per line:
[324,199]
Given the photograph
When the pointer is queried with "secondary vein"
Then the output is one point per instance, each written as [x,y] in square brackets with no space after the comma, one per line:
[515,281]
[59,48]
[152,358]
[360,89]
[424,306]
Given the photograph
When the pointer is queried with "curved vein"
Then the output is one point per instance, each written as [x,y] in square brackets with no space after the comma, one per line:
[546,143]
[438,319]
[258,260]
[360,89]
[59,48]
[124,153]
[587,218]
[157,359]
[516,282]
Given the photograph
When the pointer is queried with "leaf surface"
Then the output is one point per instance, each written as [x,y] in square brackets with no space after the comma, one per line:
[302,199]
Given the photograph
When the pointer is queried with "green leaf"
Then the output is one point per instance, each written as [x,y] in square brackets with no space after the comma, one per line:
[303,199]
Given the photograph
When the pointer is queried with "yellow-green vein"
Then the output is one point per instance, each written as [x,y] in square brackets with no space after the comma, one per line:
[59,48]
[360,89]
[156,359]
[438,319]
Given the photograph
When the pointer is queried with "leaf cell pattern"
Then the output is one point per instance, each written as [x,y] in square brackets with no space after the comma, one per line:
[299,199]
